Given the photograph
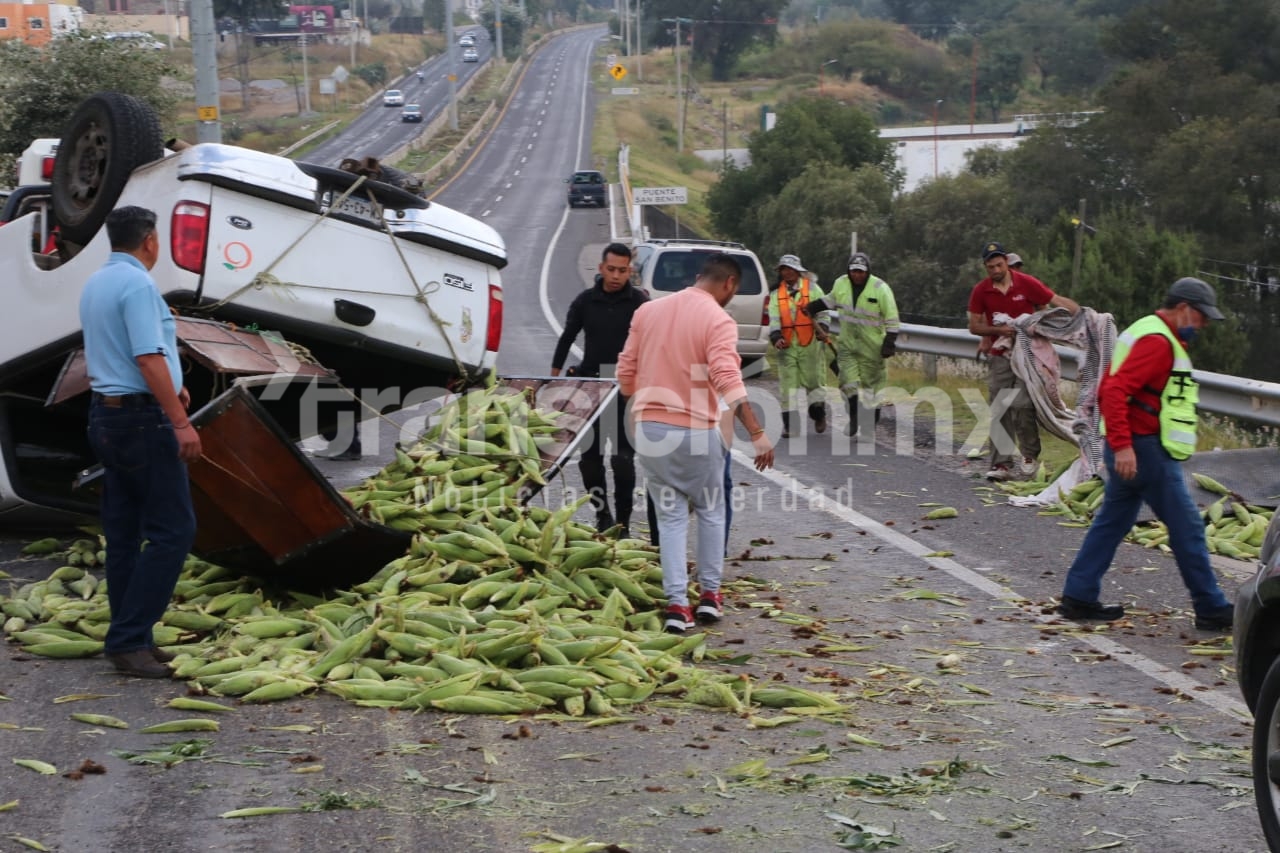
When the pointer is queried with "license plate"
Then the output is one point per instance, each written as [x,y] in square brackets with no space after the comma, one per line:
[353,206]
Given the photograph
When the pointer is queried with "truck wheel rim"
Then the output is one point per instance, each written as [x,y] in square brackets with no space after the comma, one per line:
[92,151]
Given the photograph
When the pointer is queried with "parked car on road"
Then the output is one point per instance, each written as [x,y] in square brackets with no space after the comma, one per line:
[1257,651]
[393,98]
[663,267]
[587,187]
[411,112]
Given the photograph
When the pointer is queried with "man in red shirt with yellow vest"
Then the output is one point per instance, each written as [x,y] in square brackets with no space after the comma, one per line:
[1148,404]
[1014,294]
[801,343]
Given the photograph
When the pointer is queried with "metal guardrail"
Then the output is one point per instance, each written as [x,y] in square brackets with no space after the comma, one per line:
[1247,399]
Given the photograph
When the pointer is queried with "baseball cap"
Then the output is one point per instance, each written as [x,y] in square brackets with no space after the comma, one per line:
[1014,259]
[792,261]
[859,261]
[990,250]
[1198,295]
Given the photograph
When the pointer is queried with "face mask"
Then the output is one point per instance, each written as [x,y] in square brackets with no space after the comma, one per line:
[1188,333]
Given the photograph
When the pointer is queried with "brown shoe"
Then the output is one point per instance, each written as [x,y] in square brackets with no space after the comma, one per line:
[139,664]
[820,425]
[161,655]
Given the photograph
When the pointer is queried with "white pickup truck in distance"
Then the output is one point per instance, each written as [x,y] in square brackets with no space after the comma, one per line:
[382,286]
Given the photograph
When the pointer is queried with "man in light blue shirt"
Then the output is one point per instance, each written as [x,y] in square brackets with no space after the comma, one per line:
[140,432]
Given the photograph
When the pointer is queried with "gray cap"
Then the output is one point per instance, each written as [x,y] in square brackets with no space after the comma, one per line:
[792,261]
[1198,295]
[1014,259]
[859,261]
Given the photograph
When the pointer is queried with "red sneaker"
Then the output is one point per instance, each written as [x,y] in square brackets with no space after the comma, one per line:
[710,607]
[679,618]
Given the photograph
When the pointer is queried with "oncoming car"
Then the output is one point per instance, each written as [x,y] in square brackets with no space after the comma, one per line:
[466,40]
[470,54]
[1257,650]
[663,267]
[411,112]
[393,98]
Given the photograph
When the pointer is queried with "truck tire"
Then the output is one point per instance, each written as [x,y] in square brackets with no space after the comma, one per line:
[109,136]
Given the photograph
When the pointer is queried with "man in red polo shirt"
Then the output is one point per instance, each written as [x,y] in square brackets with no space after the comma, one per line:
[1012,293]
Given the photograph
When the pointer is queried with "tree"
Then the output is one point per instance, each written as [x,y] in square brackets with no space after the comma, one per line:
[809,131]
[514,27]
[43,86]
[999,78]
[719,33]
[815,213]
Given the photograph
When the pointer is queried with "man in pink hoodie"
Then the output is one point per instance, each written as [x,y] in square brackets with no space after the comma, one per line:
[679,362]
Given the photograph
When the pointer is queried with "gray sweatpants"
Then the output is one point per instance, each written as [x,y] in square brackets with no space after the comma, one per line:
[1018,420]
[685,467]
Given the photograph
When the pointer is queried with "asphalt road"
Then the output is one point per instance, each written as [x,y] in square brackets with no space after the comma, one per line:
[1040,735]
[379,130]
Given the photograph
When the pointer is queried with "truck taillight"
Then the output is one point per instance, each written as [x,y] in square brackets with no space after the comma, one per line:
[494,335]
[764,312]
[46,168]
[189,235]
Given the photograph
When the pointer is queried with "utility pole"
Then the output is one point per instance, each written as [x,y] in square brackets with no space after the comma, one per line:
[204,49]
[679,95]
[497,27]
[451,57]
[1078,256]
[306,78]
[626,27]
[639,45]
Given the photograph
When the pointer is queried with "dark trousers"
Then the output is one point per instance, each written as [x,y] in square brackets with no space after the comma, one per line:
[145,498]
[610,427]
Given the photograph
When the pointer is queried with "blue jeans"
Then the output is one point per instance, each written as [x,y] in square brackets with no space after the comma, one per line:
[1158,482]
[145,497]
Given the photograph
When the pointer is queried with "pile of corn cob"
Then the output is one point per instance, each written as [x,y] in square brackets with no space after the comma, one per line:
[497,608]
[1233,527]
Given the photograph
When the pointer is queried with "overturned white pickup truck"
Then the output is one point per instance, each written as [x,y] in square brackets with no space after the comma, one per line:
[381,286]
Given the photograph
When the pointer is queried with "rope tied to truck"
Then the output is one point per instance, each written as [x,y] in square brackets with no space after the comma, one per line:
[266,278]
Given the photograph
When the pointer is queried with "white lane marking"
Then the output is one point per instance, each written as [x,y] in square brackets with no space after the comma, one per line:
[530,146]
[1156,671]
[498,199]
[543,297]
[486,213]
[524,159]
[507,186]
[515,174]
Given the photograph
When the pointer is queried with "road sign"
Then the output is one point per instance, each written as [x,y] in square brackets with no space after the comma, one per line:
[340,74]
[328,86]
[611,59]
[618,72]
[661,195]
[625,91]
[207,113]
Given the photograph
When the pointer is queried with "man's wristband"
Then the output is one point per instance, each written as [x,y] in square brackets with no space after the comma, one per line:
[182,426]
[756,432]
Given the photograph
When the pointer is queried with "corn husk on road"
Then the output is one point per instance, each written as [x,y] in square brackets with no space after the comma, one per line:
[497,608]
[1233,527]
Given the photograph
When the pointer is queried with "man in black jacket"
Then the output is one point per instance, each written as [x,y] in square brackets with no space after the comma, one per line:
[603,316]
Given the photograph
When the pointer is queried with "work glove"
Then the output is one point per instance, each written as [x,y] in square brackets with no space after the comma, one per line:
[889,347]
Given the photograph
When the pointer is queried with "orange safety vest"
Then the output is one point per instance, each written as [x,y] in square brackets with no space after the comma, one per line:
[797,323]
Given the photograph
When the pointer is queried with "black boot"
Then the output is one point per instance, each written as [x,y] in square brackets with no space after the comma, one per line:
[818,414]
[786,424]
[852,429]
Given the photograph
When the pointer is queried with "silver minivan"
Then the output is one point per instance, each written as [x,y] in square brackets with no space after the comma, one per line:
[666,266]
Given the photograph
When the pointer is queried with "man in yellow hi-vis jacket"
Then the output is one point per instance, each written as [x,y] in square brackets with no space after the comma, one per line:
[866,335]
[801,341]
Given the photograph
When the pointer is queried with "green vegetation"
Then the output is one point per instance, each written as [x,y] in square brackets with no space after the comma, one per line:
[1173,158]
